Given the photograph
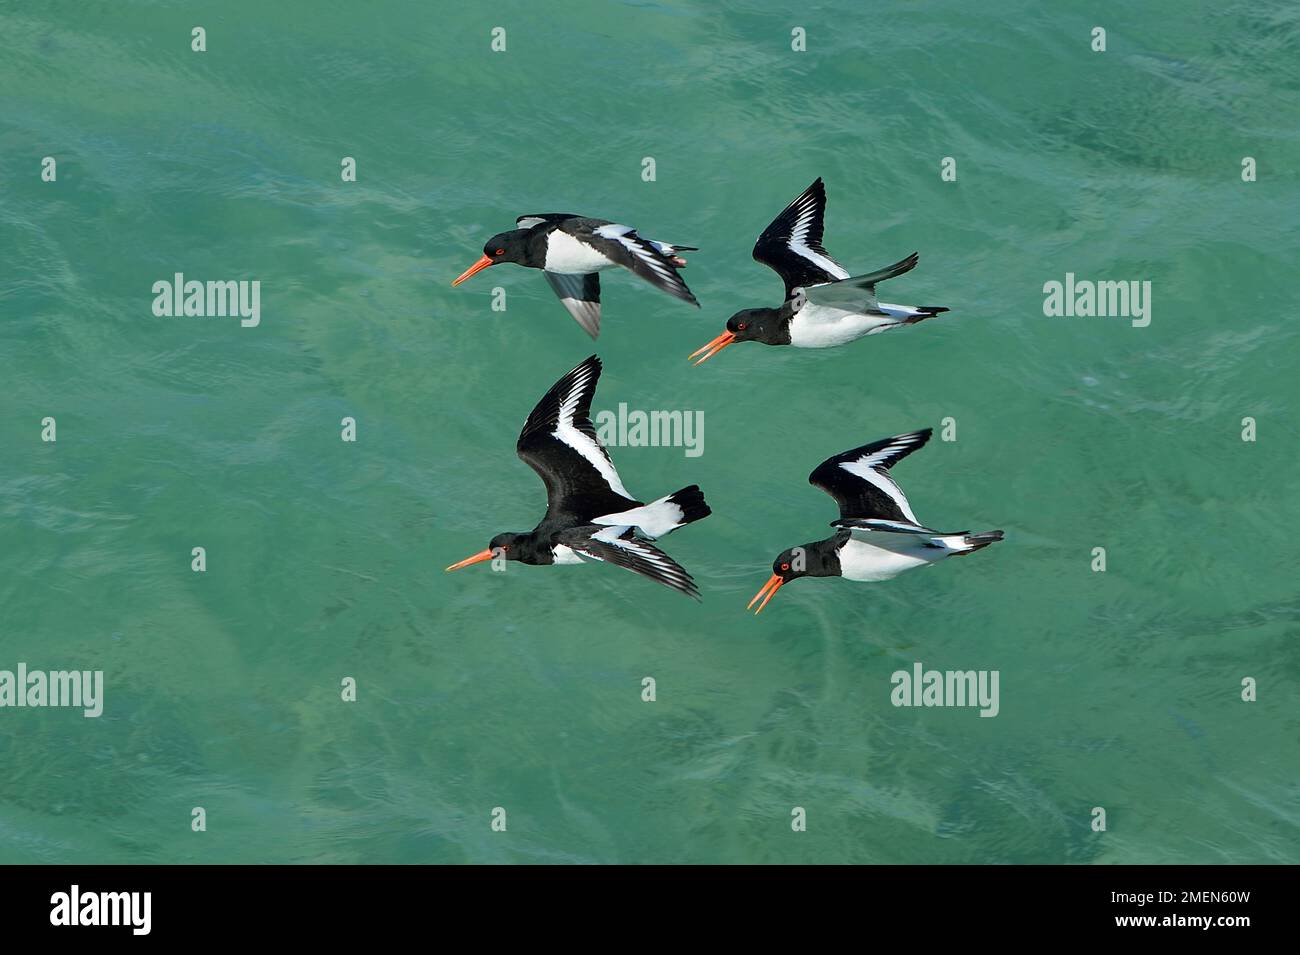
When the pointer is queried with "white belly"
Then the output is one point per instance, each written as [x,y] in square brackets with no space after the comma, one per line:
[566,555]
[895,554]
[818,326]
[567,255]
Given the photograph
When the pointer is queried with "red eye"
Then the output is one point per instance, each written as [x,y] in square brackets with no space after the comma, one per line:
[741,327]
[501,252]
[785,566]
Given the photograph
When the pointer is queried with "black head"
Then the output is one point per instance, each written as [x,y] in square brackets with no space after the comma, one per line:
[506,246]
[509,246]
[505,543]
[748,325]
[756,325]
[503,547]
[817,559]
[791,564]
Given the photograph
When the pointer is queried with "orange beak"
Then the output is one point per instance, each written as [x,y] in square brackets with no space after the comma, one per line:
[774,582]
[478,266]
[713,347]
[476,559]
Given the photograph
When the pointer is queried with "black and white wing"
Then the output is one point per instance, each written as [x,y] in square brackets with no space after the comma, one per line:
[857,293]
[621,244]
[537,218]
[580,294]
[559,443]
[861,485]
[626,551]
[892,527]
[792,244]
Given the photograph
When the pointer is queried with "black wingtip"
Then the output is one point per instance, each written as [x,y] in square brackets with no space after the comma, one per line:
[922,436]
[686,295]
[917,440]
[901,267]
[591,363]
[818,188]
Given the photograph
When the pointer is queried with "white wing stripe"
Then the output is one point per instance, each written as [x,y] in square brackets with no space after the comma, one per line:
[881,481]
[799,235]
[632,545]
[639,248]
[581,443]
[875,460]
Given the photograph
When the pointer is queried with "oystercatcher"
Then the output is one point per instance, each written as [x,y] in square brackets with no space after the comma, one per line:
[877,536]
[824,305]
[589,514]
[570,250]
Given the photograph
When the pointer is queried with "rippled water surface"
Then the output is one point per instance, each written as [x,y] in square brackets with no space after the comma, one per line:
[522,689]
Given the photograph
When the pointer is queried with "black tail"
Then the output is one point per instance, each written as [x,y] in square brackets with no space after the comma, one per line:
[979,542]
[691,501]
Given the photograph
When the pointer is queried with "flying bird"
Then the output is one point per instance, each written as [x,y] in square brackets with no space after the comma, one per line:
[572,250]
[589,514]
[824,305]
[877,536]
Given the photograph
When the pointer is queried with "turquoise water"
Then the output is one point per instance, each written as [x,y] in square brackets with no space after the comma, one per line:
[522,690]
